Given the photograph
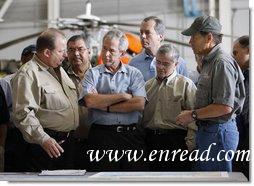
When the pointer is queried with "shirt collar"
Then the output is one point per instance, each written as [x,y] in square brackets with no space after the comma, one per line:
[146,56]
[103,69]
[212,53]
[71,72]
[168,79]
[41,65]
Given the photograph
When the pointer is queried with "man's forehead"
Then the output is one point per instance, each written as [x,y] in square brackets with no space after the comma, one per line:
[165,56]
[149,24]
[77,42]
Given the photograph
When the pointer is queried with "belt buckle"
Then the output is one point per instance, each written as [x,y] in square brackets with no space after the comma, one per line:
[119,129]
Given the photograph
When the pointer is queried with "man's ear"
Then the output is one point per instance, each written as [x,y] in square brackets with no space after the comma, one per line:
[47,52]
[248,50]
[162,37]
[209,37]
[122,53]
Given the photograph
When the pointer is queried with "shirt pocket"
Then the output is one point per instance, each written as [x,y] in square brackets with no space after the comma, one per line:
[54,99]
[203,90]
[172,107]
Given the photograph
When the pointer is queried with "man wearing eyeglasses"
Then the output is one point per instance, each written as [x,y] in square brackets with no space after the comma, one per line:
[168,93]
[152,33]
[78,55]
[45,105]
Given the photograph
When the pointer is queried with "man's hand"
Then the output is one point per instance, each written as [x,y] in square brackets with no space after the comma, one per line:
[52,148]
[127,96]
[184,118]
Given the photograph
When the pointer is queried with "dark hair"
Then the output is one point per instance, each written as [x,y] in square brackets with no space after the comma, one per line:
[217,37]
[159,25]
[47,39]
[79,37]
[244,41]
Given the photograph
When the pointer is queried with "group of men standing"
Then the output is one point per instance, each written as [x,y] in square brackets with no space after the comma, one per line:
[150,104]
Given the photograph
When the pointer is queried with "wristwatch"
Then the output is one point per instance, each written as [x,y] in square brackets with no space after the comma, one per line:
[194,115]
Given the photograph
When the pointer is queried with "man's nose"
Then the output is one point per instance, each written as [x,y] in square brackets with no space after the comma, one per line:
[142,35]
[107,53]
[65,54]
[190,41]
[76,52]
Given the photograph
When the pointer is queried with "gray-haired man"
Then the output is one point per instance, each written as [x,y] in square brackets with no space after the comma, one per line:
[169,93]
[114,94]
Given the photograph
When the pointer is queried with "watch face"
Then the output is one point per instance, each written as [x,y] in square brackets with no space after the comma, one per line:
[194,115]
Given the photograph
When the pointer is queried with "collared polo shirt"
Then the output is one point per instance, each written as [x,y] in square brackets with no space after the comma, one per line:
[126,80]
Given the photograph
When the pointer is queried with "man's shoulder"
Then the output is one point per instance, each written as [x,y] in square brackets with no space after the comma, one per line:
[224,59]
[29,66]
[96,69]
[136,59]
[132,69]
[183,79]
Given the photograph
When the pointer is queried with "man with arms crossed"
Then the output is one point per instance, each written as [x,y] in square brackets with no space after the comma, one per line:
[114,94]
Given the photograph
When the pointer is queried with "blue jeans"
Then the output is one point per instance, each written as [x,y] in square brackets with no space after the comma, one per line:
[222,140]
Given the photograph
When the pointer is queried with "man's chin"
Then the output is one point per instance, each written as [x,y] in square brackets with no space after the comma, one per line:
[78,63]
[145,46]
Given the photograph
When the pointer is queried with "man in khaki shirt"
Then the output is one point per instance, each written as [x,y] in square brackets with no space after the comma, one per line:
[78,55]
[45,105]
[168,94]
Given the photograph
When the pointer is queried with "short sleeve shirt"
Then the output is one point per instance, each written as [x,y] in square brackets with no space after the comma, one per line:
[126,80]
[220,82]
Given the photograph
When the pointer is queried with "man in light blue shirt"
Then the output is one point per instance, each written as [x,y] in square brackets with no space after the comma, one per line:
[152,32]
[114,93]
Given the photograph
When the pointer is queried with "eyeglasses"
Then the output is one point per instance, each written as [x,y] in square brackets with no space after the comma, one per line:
[80,50]
[164,64]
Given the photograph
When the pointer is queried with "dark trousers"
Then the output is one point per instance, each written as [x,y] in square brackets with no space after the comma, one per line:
[242,166]
[15,151]
[106,138]
[40,160]
[80,160]
[166,141]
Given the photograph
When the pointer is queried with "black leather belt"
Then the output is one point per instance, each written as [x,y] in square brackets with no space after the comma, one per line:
[58,134]
[165,131]
[200,123]
[116,128]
